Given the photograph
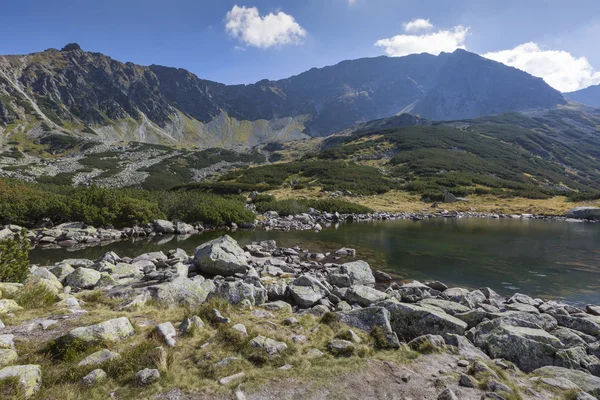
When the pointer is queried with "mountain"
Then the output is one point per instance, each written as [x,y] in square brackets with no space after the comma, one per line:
[91,95]
[589,96]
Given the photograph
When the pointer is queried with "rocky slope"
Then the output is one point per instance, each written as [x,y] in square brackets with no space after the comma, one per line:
[92,95]
[589,96]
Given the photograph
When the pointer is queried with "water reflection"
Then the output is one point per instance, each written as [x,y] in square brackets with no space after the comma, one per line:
[541,258]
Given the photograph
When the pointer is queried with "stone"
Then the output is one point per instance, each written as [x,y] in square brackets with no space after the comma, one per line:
[299,339]
[359,271]
[77,262]
[100,357]
[472,317]
[313,353]
[466,381]
[83,278]
[570,358]
[278,306]
[238,291]
[10,289]
[262,314]
[218,318]
[94,377]
[166,333]
[585,325]
[587,382]
[339,280]
[367,319]
[465,348]
[147,376]
[241,329]
[232,378]
[7,341]
[436,341]
[409,321]
[182,290]
[30,377]
[364,295]
[270,346]
[9,306]
[307,291]
[152,257]
[496,386]
[528,348]
[191,325]
[449,307]
[113,330]
[382,277]
[592,213]
[222,256]
[7,356]
[594,310]
[225,362]
[447,394]
[339,347]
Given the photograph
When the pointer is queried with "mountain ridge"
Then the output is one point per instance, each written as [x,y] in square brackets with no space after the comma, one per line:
[90,94]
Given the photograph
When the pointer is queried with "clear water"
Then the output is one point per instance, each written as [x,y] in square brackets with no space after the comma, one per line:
[548,259]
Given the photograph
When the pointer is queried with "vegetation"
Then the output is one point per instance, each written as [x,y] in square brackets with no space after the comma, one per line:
[30,204]
[14,259]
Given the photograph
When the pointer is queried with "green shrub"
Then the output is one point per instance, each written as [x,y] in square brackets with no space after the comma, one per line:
[14,259]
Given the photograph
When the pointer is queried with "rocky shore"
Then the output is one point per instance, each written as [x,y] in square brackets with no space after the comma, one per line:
[544,347]
[79,235]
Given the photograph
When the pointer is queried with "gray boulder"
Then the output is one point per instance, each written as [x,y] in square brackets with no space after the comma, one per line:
[359,271]
[7,356]
[113,330]
[270,346]
[147,376]
[238,291]
[588,383]
[162,226]
[465,348]
[364,295]
[180,290]
[449,307]
[83,278]
[100,357]
[222,256]
[367,319]
[166,333]
[94,377]
[306,291]
[410,321]
[592,213]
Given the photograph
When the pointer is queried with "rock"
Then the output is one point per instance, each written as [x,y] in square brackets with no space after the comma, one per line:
[313,353]
[8,306]
[359,271]
[232,378]
[367,319]
[7,356]
[77,262]
[225,362]
[447,394]
[278,306]
[218,318]
[472,317]
[592,213]
[339,347]
[465,347]
[307,291]
[181,228]
[449,307]
[346,252]
[10,289]
[238,291]
[222,256]
[166,333]
[299,339]
[191,325]
[570,358]
[436,285]
[147,376]
[528,348]
[162,226]
[585,325]
[409,321]
[241,329]
[435,341]
[588,383]
[99,357]
[382,277]
[466,381]
[7,341]
[340,280]
[182,290]
[496,386]
[272,347]
[364,295]
[568,337]
[113,330]
[83,278]
[94,377]
[30,377]
[594,310]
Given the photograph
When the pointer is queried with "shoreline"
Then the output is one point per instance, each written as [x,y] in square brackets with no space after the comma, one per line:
[77,235]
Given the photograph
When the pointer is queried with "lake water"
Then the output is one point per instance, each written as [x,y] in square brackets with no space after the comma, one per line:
[548,259]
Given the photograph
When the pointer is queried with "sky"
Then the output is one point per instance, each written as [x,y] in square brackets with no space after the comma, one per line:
[240,42]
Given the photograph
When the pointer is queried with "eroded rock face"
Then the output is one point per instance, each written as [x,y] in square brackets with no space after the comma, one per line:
[222,256]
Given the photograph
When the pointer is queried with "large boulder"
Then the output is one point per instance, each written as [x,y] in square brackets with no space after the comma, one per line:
[162,226]
[584,213]
[238,291]
[99,357]
[113,330]
[449,307]
[364,295]
[270,346]
[585,381]
[29,376]
[306,291]
[367,319]
[182,290]
[83,278]
[410,321]
[222,256]
[528,348]
[359,271]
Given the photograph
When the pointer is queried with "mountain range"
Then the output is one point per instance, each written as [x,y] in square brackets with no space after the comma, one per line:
[589,96]
[90,95]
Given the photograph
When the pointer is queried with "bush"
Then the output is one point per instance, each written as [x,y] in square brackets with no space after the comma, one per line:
[14,259]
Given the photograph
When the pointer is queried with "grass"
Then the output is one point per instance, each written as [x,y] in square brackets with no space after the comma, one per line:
[34,295]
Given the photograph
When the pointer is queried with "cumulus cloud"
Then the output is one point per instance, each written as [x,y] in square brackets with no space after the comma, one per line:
[433,43]
[271,30]
[560,69]
[417,25]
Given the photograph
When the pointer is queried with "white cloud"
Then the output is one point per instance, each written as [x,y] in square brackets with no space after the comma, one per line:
[560,69]
[433,43]
[271,30]
[417,25]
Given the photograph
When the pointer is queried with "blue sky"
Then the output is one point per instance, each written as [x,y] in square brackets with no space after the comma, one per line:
[243,42]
